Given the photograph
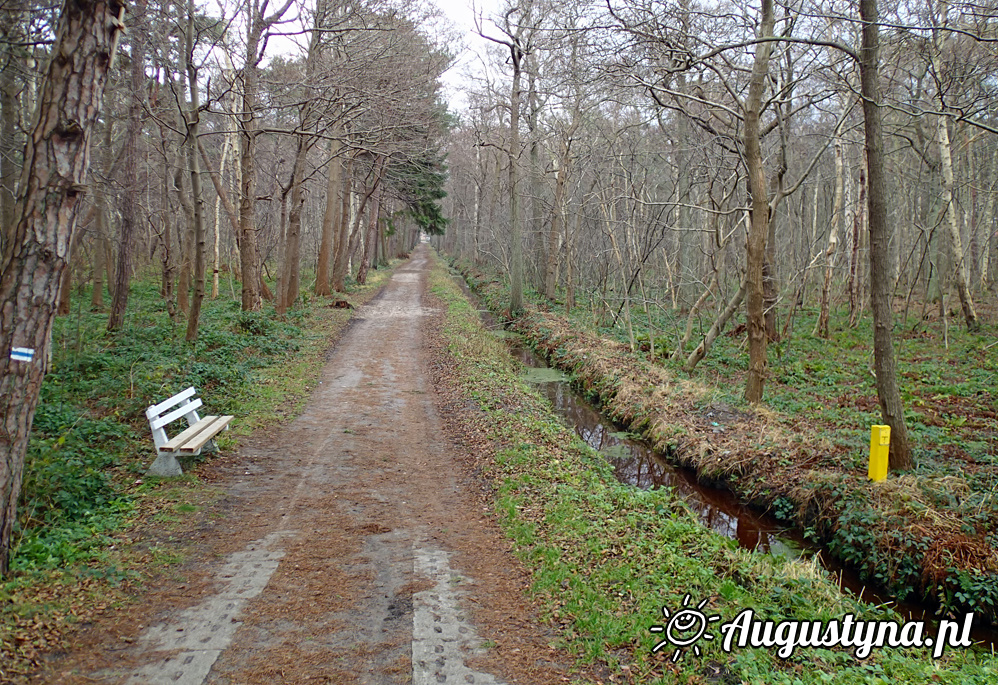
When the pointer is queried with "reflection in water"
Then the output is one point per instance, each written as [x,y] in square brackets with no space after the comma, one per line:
[634,463]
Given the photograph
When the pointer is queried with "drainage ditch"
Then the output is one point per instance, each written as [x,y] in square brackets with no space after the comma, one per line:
[637,464]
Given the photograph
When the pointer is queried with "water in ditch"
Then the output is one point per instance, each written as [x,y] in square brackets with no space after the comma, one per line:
[635,463]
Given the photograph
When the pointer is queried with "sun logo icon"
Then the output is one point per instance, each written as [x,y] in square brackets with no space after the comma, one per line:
[684,628]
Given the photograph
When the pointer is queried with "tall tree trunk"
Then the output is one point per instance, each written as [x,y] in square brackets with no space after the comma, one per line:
[226,150]
[49,197]
[329,220]
[341,249]
[515,221]
[821,327]
[280,306]
[958,264]
[130,196]
[292,250]
[564,161]
[479,185]
[888,392]
[254,289]
[168,255]
[292,246]
[857,237]
[9,119]
[250,258]
[371,237]
[756,243]
[184,235]
[990,233]
[197,196]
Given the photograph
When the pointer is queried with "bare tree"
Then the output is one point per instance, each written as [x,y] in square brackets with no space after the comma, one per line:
[880,296]
[518,36]
[258,26]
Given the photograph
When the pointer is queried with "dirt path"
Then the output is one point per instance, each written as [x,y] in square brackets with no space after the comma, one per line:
[349,548]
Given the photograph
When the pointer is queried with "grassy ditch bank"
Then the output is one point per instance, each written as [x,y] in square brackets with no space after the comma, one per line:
[929,533]
[86,508]
[606,558]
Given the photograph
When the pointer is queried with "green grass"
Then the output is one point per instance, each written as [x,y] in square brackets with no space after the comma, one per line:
[606,558]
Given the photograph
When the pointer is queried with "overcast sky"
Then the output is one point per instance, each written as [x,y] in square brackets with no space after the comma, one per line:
[461,14]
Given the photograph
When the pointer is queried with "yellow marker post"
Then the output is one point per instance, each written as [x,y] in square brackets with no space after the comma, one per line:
[880,445]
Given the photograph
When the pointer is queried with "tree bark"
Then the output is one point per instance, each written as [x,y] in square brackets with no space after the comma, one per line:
[857,236]
[958,263]
[329,219]
[371,237]
[197,196]
[130,196]
[558,214]
[50,194]
[821,327]
[9,120]
[515,221]
[756,243]
[250,258]
[888,392]
[341,248]
[184,242]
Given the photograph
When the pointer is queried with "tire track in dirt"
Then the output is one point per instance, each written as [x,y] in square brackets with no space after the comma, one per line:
[352,550]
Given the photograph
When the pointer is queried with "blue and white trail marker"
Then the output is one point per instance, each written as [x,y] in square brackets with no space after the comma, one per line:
[22,354]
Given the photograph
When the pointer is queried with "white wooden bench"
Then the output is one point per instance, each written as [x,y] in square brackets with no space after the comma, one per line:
[200,432]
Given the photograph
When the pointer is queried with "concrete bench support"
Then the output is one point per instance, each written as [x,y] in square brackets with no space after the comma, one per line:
[200,432]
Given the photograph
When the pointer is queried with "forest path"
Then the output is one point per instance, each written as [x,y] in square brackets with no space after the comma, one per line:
[350,546]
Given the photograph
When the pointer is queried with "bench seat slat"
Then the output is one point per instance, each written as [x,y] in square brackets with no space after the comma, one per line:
[216,426]
[158,409]
[181,438]
[176,414]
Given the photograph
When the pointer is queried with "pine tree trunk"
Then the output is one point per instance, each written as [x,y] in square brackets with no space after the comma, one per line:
[9,120]
[130,197]
[248,251]
[49,198]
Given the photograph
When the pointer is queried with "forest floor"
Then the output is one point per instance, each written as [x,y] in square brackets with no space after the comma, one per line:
[352,545]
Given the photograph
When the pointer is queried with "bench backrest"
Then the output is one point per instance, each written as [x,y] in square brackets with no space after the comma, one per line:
[162,414]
